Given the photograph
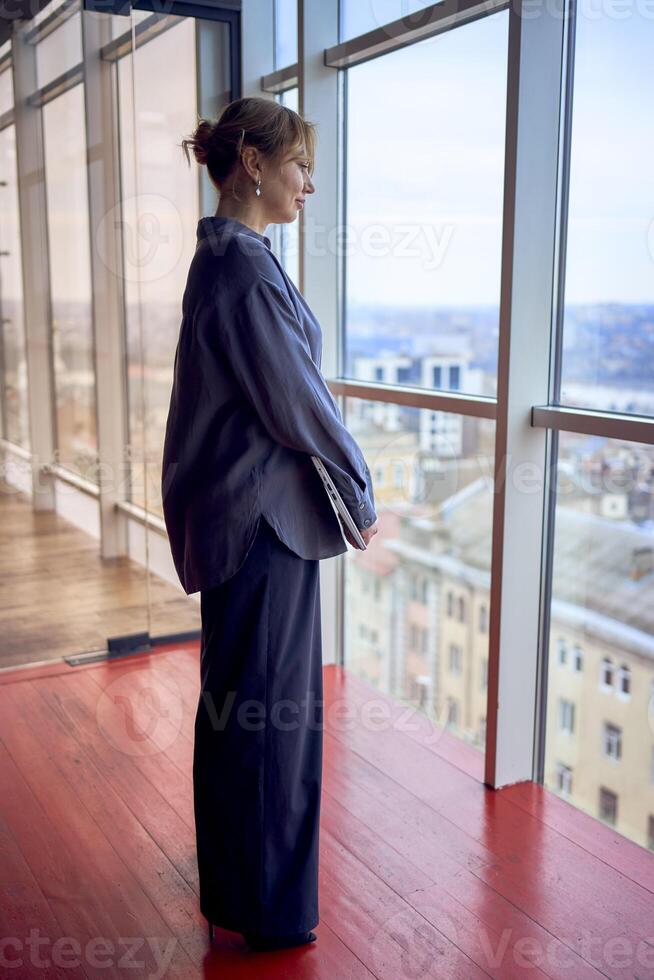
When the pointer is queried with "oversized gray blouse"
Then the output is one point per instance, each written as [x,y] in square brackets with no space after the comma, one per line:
[249,406]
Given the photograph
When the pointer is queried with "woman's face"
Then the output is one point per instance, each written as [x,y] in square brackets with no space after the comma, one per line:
[283,194]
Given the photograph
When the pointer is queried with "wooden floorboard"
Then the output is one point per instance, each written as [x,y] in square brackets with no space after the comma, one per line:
[59,597]
[424,871]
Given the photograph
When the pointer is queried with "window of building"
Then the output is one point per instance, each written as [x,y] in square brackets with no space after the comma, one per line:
[606,676]
[612,741]
[452,711]
[566,716]
[563,779]
[624,681]
[608,806]
[455,658]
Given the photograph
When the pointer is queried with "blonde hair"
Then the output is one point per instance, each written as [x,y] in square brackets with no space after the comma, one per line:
[272,128]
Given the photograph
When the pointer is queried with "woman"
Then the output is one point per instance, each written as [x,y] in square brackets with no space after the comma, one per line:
[248,520]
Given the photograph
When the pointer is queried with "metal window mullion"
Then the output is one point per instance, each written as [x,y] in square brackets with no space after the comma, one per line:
[319,275]
[57,86]
[105,246]
[475,406]
[280,80]
[145,31]
[409,29]
[51,21]
[520,535]
[610,425]
[30,168]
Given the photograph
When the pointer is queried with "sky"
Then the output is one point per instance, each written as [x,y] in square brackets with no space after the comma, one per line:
[426,132]
[426,128]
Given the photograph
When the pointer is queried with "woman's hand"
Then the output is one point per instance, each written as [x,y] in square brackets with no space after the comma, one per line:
[367,533]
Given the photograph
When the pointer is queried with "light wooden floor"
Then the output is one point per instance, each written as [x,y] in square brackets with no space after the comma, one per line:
[424,871]
[58,597]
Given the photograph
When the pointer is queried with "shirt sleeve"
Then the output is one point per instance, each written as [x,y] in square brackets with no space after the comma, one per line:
[269,354]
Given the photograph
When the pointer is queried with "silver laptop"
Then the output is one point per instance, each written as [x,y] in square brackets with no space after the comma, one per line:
[338,503]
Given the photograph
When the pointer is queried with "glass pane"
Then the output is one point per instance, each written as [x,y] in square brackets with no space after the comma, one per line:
[64,134]
[76,559]
[59,50]
[289,233]
[119,25]
[600,703]
[6,90]
[285,33]
[608,338]
[359,17]
[160,212]
[179,75]
[424,211]
[13,383]
[417,601]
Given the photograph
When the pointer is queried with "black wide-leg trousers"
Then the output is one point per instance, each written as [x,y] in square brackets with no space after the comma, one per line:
[257,763]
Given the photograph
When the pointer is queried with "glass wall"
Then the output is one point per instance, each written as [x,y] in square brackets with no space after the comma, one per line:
[417,601]
[64,556]
[64,139]
[359,17]
[608,337]
[289,234]
[600,705]
[285,33]
[423,201]
[98,547]
[599,750]
[160,209]
[424,211]
[162,198]
[59,50]
[6,86]
[14,412]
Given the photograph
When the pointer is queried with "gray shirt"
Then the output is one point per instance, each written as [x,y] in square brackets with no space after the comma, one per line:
[249,406]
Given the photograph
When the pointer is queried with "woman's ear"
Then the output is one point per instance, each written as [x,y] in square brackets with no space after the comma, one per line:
[250,159]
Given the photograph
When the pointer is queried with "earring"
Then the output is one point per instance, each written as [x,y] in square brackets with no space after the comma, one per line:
[257,190]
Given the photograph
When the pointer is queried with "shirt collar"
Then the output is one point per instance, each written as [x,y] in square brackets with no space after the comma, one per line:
[211,224]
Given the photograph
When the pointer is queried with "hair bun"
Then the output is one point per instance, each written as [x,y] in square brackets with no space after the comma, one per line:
[200,140]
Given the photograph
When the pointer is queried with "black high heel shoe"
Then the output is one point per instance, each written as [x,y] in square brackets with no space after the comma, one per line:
[267,943]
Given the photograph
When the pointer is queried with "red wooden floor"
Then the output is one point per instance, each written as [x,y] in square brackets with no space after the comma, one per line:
[423,871]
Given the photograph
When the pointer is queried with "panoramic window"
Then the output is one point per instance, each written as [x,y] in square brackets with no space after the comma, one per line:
[433,546]
[70,282]
[424,213]
[13,383]
[608,337]
[603,603]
